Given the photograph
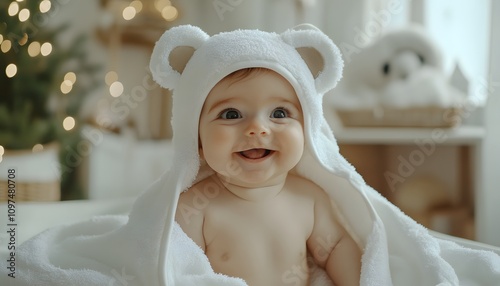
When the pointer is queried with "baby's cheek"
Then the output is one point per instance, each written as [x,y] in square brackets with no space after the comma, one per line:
[295,132]
[220,137]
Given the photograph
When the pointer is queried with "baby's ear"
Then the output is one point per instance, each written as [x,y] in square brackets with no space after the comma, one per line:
[319,53]
[172,53]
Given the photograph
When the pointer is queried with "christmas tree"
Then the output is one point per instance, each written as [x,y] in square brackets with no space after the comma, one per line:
[42,84]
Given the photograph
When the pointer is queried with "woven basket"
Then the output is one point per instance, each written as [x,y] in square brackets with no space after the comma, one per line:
[405,117]
[36,178]
[46,191]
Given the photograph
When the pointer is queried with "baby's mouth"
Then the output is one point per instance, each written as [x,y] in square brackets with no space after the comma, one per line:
[256,153]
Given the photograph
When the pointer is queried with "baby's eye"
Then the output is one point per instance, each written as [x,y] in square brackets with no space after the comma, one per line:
[279,112]
[230,114]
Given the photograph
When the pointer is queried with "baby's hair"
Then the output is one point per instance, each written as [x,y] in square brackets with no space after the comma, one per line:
[243,74]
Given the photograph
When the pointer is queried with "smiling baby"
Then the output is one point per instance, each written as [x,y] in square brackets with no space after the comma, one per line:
[264,225]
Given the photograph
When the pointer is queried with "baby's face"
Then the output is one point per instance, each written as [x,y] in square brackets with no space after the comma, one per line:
[251,129]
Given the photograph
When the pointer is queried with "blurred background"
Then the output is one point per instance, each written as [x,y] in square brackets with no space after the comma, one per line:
[81,118]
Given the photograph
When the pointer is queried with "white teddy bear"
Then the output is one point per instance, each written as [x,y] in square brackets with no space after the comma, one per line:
[401,69]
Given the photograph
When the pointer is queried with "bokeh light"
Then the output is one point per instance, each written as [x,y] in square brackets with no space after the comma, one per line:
[161,4]
[111,77]
[70,76]
[37,148]
[69,123]
[34,49]
[13,9]
[11,70]
[137,5]
[45,6]
[5,46]
[66,86]
[129,13]
[169,13]
[24,15]
[23,40]
[46,49]
[116,89]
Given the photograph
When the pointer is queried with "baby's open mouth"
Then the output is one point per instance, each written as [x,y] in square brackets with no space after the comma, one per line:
[256,153]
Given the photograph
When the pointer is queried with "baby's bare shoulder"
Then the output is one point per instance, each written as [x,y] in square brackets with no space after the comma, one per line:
[200,193]
[306,187]
[191,208]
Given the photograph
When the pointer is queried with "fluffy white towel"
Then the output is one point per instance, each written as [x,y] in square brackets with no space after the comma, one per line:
[149,248]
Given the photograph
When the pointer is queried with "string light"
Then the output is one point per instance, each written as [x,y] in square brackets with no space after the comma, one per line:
[129,13]
[68,82]
[24,15]
[11,70]
[34,49]
[13,9]
[23,40]
[1,38]
[110,77]
[46,49]
[66,86]
[116,89]
[45,6]
[137,5]
[70,76]
[169,13]
[37,148]
[6,45]
[161,4]
[68,123]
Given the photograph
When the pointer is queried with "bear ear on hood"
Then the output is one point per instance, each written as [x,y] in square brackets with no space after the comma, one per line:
[173,51]
[319,53]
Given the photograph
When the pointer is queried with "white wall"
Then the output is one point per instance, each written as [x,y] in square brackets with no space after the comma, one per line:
[462,29]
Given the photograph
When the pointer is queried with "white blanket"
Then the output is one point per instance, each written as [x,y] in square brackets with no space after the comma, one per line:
[149,248]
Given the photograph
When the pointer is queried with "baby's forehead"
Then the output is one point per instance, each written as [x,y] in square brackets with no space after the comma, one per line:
[248,80]
[245,74]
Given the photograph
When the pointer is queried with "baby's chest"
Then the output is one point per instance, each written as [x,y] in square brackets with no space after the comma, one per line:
[280,228]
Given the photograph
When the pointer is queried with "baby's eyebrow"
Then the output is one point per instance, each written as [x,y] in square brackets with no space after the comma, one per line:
[217,104]
[281,99]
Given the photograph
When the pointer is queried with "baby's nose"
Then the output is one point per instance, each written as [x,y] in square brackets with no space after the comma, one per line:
[257,128]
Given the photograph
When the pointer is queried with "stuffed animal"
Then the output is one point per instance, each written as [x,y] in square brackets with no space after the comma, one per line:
[401,69]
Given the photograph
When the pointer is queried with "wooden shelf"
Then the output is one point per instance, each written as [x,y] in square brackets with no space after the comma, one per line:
[463,135]
[376,152]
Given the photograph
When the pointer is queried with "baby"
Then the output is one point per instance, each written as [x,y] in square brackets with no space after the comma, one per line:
[264,223]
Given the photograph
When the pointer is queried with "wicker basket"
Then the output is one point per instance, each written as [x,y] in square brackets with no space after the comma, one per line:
[46,191]
[36,178]
[405,117]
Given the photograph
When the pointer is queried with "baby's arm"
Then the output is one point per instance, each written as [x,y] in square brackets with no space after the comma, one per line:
[191,218]
[332,247]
